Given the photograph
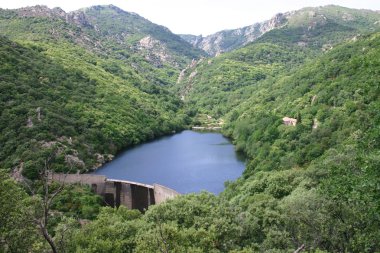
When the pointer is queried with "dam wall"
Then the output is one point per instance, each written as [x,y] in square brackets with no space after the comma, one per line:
[162,193]
[116,192]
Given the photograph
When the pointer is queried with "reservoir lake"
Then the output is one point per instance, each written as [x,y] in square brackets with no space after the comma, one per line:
[187,162]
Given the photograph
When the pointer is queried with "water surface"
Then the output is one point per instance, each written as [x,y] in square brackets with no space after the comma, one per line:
[186,162]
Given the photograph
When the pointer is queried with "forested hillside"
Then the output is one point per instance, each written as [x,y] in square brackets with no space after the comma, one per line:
[321,176]
[79,81]
[217,85]
[312,185]
[80,106]
[151,50]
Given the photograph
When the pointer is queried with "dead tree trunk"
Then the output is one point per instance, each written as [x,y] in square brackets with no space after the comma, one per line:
[45,198]
[301,248]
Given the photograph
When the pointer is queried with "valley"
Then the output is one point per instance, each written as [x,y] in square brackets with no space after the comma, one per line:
[298,95]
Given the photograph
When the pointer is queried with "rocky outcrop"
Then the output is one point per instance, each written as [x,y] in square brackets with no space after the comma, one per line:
[155,51]
[29,123]
[102,159]
[289,121]
[306,21]
[41,11]
[315,123]
[228,40]
[63,145]
[74,161]
[188,79]
[38,111]
[181,75]
[95,26]
[78,18]
[16,173]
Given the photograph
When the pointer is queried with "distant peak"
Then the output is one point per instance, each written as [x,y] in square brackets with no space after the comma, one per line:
[112,7]
[102,7]
[41,11]
[36,7]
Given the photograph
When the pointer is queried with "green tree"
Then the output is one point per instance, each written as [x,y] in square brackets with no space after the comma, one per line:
[17,231]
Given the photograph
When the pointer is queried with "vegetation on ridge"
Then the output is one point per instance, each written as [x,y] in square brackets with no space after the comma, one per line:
[81,107]
[314,184]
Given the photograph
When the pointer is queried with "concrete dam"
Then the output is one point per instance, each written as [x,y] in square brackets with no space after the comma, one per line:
[120,192]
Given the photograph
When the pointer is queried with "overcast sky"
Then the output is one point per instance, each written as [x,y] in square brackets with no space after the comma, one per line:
[199,16]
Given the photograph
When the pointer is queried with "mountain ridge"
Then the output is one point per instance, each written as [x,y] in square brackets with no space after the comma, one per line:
[123,96]
[128,31]
[228,40]
[83,90]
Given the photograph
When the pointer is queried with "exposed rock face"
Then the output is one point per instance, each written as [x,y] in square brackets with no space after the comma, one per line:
[348,17]
[16,173]
[29,122]
[289,121]
[98,25]
[74,161]
[38,111]
[315,123]
[101,159]
[64,139]
[313,99]
[41,11]
[228,40]
[306,21]
[181,76]
[155,51]
[62,145]
[191,67]
[48,144]
[192,75]
[78,18]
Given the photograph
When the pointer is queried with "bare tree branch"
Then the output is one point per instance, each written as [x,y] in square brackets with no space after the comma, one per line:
[301,248]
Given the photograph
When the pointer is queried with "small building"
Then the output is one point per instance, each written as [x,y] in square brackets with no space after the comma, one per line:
[289,121]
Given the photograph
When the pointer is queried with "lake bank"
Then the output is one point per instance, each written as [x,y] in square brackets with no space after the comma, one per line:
[187,162]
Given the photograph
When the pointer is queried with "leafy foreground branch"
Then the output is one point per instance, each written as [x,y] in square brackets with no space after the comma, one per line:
[278,212]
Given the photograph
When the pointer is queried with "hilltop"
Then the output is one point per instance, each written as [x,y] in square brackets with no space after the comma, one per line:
[335,21]
[298,95]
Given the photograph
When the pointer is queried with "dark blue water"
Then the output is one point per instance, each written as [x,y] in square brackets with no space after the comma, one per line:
[186,162]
